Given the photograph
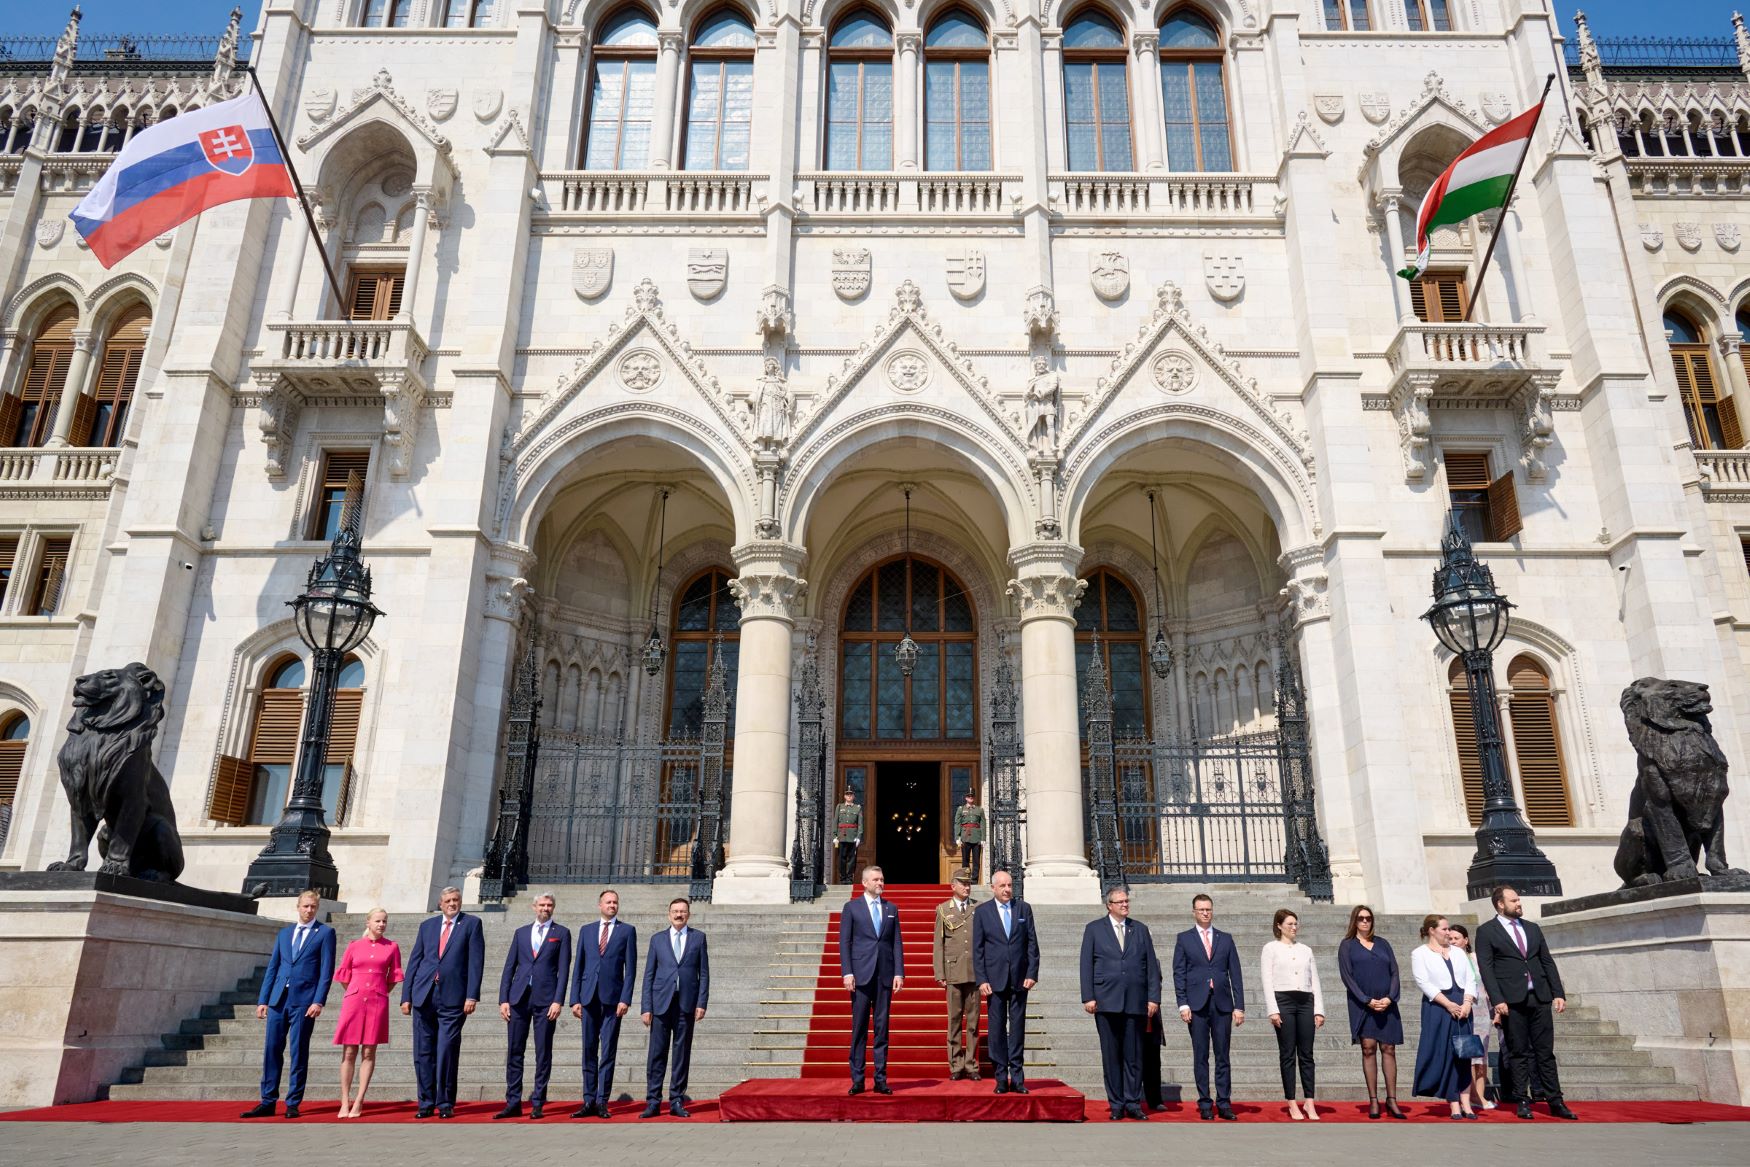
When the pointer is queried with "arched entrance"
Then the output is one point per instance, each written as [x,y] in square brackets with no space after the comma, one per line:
[908,746]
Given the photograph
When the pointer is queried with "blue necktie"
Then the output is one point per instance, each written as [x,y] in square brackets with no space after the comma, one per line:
[1004,908]
[875,915]
[676,938]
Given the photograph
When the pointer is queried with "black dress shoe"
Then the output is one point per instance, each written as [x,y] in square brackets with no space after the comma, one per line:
[1136,1113]
[1206,1113]
[446,1112]
[535,1111]
[601,1109]
[291,1110]
[883,1088]
[1391,1108]
[651,1110]
[584,1111]
[1017,1088]
[1002,1088]
[509,1112]
[1525,1110]
[1225,1113]
[972,1075]
[1560,1109]
[856,1089]
[423,1112]
[1117,1114]
[676,1109]
[260,1110]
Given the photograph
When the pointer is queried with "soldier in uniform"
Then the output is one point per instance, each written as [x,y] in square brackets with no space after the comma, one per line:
[848,834]
[954,973]
[969,831]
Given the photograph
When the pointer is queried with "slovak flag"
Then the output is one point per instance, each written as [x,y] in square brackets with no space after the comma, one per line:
[171,172]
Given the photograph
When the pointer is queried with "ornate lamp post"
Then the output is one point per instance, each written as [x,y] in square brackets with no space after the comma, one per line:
[906,651]
[1470,618]
[334,615]
[1160,656]
[654,651]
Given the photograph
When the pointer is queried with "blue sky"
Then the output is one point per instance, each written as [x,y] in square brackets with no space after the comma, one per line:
[35,17]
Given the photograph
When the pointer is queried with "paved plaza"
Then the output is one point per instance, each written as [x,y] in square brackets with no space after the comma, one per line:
[845,1145]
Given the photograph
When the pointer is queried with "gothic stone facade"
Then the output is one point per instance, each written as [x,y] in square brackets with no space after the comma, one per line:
[1165,267]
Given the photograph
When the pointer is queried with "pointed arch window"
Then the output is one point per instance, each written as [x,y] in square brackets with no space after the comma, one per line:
[859,94]
[253,788]
[622,97]
[939,701]
[102,418]
[469,13]
[720,93]
[1194,94]
[386,14]
[14,740]
[1428,15]
[705,617]
[1711,415]
[1537,744]
[1110,610]
[957,93]
[28,419]
[1352,15]
[1096,94]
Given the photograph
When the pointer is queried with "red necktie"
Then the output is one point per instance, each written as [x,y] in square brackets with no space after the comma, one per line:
[601,946]
[1208,953]
[444,940]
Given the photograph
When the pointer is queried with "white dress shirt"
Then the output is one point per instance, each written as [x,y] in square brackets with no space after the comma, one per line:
[1290,968]
[1430,972]
[1118,928]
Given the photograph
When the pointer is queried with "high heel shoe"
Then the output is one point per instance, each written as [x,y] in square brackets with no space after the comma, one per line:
[1312,1111]
[1391,1107]
[1372,1107]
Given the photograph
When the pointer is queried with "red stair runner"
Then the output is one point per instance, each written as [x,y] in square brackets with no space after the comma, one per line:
[917,1034]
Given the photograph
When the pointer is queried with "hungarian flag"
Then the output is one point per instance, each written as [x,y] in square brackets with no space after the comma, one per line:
[171,172]
[1480,179]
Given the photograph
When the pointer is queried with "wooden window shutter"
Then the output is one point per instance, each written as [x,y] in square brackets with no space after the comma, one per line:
[1418,300]
[51,577]
[11,412]
[343,729]
[9,557]
[231,789]
[277,722]
[392,295]
[1466,469]
[340,466]
[84,414]
[11,769]
[1538,752]
[1743,545]
[375,295]
[1504,520]
[1470,765]
[1731,426]
[1439,298]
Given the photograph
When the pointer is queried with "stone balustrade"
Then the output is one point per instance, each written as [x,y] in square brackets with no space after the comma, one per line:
[1475,360]
[322,357]
[59,467]
[1174,196]
[1688,177]
[1725,474]
[692,193]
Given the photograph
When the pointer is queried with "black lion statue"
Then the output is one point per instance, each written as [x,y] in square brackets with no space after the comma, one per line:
[1674,814]
[110,778]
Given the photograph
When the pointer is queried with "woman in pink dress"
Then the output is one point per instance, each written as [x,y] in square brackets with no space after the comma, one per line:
[370,968]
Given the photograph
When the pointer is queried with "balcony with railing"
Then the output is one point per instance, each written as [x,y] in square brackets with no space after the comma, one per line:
[862,194]
[35,468]
[328,358]
[1725,474]
[1193,197]
[1474,361]
[662,194]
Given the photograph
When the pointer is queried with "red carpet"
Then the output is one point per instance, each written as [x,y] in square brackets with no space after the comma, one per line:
[918,1026]
[864,1108]
[815,1100]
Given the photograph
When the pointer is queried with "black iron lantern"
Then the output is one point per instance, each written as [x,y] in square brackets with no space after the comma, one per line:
[1160,656]
[655,651]
[906,651]
[1470,618]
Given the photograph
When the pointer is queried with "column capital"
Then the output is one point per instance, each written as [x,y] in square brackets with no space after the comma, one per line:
[770,586]
[671,42]
[908,42]
[1145,43]
[1046,587]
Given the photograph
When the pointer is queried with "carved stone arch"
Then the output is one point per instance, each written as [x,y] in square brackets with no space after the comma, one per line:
[686,14]
[993,14]
[589,13]
[1383,155]
[116,294]
[990,455]
[1277,479]
[376,122]
[1699,300]
[14,698]
[30,302]
[1130,565]
[825,13]
[1736,299]
[1226,15]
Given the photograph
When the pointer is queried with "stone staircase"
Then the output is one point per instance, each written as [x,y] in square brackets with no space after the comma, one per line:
[764,968]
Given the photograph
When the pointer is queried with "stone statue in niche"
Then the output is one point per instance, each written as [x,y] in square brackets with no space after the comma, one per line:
[772,410]
[1676,812]
[1043,394]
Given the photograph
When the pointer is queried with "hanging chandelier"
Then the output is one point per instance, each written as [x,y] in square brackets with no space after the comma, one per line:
[655,651]
[906,651]
[1160,656]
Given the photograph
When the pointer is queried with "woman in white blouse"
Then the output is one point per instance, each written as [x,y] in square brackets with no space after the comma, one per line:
[1296,1004]
[1449,993]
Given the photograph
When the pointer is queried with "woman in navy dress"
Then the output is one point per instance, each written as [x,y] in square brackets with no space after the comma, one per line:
[1448,995]
[1369,970]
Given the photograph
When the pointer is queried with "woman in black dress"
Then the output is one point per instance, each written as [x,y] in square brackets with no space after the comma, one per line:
[1369,970]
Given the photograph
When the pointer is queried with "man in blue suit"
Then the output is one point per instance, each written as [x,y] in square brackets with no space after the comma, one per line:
[531,993]
[1121,987]
[677,990]
[872,959]
[1212,1000]
[601,993]
[440,989]
[1005,963]
[292,995]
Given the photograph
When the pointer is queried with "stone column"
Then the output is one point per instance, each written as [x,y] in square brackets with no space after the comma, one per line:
[1391,207]
[905,101]
[1732,357]
[1046,590]
[769,591]
[668,71]
[422,210]
[1149,120]
[83,342]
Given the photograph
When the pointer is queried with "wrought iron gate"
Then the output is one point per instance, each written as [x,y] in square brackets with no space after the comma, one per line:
[1234,809]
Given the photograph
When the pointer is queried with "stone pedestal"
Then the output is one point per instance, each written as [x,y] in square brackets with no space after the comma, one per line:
[93,979]
[1673,969]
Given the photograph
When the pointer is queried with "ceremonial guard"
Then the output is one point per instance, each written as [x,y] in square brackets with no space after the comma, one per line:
[969,833]
[953,957]
[847,832]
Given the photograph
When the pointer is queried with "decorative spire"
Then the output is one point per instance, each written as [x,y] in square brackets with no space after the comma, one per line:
[1743,39]
[1590,62]
[225,60]
[65,49]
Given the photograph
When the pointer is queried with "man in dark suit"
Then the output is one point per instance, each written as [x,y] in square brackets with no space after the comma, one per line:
[531,993]
[1005,963]
[1520,977]
[1121,987]
[601,993]
[872,959]
[440,989]
[292,995]
[1212,1000]
[677,990]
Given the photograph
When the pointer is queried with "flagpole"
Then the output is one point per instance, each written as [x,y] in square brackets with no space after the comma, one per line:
[1501,220]
[286,157]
